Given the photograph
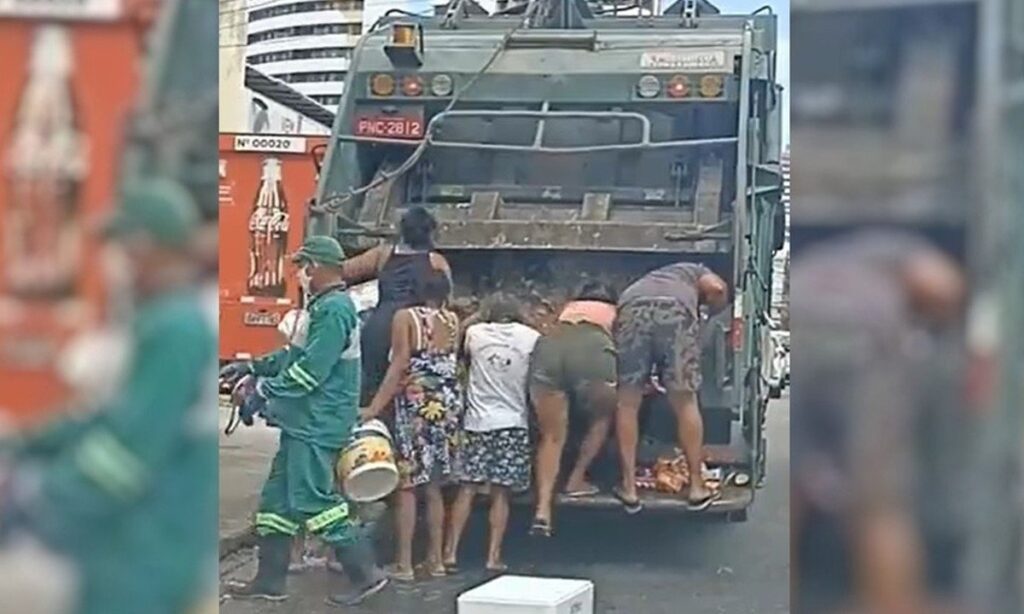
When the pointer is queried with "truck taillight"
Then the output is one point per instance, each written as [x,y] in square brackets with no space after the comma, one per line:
[711,86]
[442,85]
[412,86]
[648,86]
[382,85]
[736,334]
[678,87]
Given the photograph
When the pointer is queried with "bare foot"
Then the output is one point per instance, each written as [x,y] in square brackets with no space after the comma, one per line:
[402,573]
[496,565]
[698,492]
[436,569]
[579,487]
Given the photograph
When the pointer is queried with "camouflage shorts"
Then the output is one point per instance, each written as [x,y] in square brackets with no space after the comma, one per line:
[660,337]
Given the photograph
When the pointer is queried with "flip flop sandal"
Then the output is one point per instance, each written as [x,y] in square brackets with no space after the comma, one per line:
[438,573]
[702,504]
[586,492]
[499,569]
[401,576]
[540,528]
[631,507]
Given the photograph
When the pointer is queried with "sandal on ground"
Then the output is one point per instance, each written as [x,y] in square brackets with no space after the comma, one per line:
[400,575]
[589,491]
[632,506]
[699,505]
[499,568]
[540,528]
[451,568]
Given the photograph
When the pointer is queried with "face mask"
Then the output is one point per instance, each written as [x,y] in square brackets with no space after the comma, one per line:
[305,278]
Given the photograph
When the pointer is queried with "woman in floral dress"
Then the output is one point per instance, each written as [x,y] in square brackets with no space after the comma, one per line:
[422,386]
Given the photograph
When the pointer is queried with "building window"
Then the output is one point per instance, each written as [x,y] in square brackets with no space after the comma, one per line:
[301,54]
[328,101]
[305,7]
[311,77]
[313,30]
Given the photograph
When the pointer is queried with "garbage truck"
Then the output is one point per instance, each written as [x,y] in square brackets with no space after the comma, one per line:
[561,140]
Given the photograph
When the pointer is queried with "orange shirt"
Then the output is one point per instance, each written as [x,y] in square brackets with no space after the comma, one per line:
[595,312]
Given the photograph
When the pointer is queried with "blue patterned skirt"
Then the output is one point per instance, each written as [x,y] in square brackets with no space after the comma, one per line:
[501,458]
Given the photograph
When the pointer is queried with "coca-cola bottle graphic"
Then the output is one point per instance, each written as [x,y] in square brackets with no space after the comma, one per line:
[46,162]
[268,231]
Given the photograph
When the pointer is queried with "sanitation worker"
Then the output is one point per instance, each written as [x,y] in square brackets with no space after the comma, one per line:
[126,493]
[313,397]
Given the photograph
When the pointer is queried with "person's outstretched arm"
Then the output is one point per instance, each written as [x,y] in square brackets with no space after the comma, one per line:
[401,353]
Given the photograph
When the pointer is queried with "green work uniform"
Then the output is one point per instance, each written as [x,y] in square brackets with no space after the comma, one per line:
[313,397]
[130,492]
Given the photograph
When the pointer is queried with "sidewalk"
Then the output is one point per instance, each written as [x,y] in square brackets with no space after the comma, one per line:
[244,463]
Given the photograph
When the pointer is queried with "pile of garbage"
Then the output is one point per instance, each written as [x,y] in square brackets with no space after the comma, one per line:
[671,476]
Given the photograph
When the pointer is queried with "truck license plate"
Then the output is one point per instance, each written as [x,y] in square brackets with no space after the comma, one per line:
[390,127]
[261,318]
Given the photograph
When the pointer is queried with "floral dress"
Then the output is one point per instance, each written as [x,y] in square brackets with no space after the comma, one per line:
[428,409]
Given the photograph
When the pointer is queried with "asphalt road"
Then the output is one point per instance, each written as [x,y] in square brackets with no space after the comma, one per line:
[646,564]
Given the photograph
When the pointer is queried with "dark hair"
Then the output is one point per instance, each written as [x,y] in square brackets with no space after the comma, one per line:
[503,307]
[593,290]
[434,287]
[417,228]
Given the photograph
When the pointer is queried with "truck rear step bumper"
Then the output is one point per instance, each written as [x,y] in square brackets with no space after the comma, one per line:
[734,498]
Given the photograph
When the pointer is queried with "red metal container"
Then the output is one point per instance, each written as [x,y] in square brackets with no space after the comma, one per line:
[266,182]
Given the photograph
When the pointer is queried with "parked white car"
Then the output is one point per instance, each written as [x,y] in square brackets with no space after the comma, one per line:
[778,365]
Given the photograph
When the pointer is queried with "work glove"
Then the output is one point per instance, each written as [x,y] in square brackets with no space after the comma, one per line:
[253,405]
[233,372]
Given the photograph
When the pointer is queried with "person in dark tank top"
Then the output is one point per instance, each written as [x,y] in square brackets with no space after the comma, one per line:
[399,269]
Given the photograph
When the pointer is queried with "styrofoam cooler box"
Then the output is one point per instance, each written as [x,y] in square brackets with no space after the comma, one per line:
[526,595]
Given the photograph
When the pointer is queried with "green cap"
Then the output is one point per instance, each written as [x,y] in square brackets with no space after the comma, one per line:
[158,208]
[320,250]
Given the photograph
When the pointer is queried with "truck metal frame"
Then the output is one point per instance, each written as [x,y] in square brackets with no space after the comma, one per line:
[562,135]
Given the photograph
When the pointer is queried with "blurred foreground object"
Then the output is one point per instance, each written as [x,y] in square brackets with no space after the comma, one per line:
[907,115]
[863,306]
[33,580]
[107,490]
[65,88]
[124,493]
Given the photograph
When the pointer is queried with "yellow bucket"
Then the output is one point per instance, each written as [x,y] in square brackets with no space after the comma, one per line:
[366,467]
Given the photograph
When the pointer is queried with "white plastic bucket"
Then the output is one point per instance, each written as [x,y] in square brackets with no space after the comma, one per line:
[367,468]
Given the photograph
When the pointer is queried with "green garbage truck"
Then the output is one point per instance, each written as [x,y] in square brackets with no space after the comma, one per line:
[556,140]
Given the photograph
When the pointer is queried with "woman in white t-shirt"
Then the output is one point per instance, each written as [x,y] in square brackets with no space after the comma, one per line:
[496,439]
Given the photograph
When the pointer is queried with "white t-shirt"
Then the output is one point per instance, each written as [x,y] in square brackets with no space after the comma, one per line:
[499,358]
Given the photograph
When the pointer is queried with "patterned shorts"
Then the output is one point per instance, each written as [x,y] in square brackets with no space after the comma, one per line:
[502,458]
[660,337]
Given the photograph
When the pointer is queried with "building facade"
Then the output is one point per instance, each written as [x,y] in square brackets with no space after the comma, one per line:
[306,44]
